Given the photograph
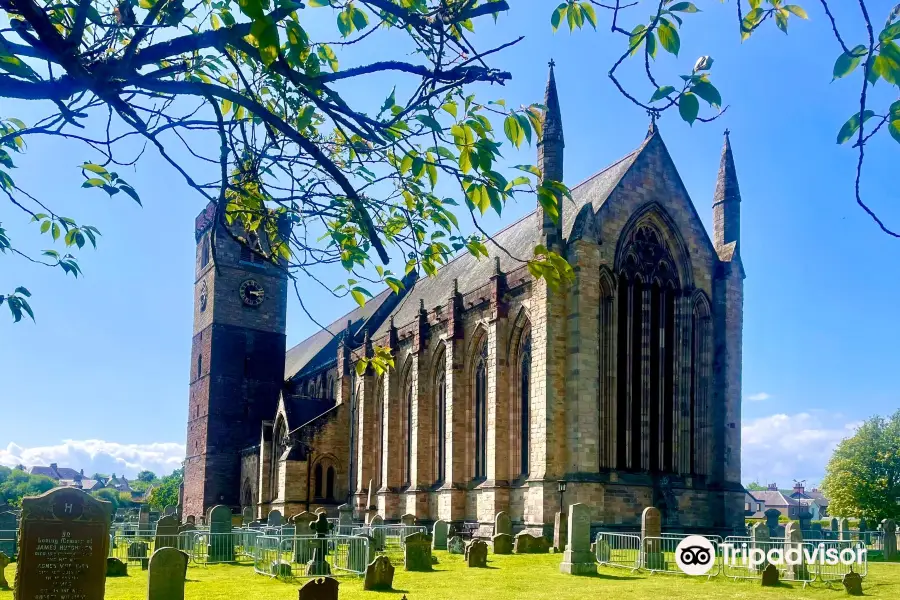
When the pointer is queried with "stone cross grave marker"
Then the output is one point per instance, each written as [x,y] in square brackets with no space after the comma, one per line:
[166,574]
[323,588]
[319,563]
[379,575]
[439,534]
[889,530]
[502,523]
[417,552]
[503,543]
[560,531]
[651,530]
[9,525]
[64,546]
[275,519]
[476,554]
[4,562]
[221,541]
[578,559]
[166,533]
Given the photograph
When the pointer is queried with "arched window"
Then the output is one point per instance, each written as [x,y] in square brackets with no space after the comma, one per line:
[525,405]
[440,420]
[379,433]
[204,251]
[317,481]
[329,484]
[408,435]
[279,438]
[199,365]
[481,413]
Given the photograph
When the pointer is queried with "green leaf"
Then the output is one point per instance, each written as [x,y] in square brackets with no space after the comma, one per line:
[894,129]
[318,3]
[708,92]
[94,168]
[669,38]
[430,122]
[846,63]
[890,32]
[662,93]
[358,296]
[360,20]
[130,191]
[590,14]
[557,15]
[93,182]
[344,22]
[689,107]
[796,10]
[781,19]
[361,366]
[45,226]
[687,7]
[265,33]
[54,231]
[651,45]
[23,291]
[852,126]
[513,130]
[450,107]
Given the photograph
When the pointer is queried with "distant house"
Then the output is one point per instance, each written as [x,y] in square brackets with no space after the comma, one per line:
[797,504]
[818,503]
[753,505]
[120,484]
[67,477]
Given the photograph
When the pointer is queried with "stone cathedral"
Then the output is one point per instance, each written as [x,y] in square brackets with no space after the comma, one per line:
[626,383]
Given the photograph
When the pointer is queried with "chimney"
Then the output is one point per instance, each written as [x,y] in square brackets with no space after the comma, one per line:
[772,487]
[798,487]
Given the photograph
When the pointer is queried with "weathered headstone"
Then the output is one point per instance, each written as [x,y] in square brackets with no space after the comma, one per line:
[345,519]
[318,565]
[8,532]
[417,552]
[770,576]
[320,510]
[166,533]
[439,535]
[577,559]
[4,562]
[651,532]
[835,526]
[169,511]
[844,524]
[144,519]
[191,520]
[137,550]
[221,540]
[408,519]
[502,523]
[772,516]
[560,531]
[503,543]
[323,588]
[376,527]
[476,554]
[116,567]
[601,549]
[379,575]
[889,546]
[275,519]
[793,541]
[303,523]
[456,545]
[759,538]
[281,568]
[246,516]
[166,574]
[360,553]
[64,536]
[525,543]
[853,584]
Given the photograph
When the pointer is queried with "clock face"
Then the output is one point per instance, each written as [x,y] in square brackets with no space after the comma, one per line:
[252,293]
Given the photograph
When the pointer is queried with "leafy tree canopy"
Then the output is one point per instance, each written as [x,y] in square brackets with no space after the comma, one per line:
[147,476]
[166,493]
[862,478]
[110,495]
[15,484]
[754,486]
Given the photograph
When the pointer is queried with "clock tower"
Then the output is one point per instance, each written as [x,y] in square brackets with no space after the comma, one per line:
[237,362]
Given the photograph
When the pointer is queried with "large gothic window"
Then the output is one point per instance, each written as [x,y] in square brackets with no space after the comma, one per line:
[407,432]
[279,445]
[481,413]
[524,405]
[317,481]
[440,420]
[329,484]
[379,433]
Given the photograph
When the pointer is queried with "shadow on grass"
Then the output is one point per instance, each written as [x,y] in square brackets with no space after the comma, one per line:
[391,591]
[609,577]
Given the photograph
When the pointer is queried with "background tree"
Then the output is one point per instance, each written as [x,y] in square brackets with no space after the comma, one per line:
[15,484]
[146,476]
[862,478]
[754,486]
[297,172]
[99,476]
[867,52]
[108,494]
[166,493]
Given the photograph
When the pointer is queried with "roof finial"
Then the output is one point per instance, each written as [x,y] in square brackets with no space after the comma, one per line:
[727,132]
[654,115]
[552,63]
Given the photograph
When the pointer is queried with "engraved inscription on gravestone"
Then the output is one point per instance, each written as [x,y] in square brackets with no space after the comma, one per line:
[65,543]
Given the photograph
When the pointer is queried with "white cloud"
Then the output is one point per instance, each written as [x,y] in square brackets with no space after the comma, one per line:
[98,456]
[758,397]
[780,448]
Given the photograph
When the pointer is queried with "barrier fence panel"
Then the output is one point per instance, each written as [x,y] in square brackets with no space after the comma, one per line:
[748,560]
[836,559]
[267,554]
[388,539]
[216,548]
[618,550]
[351,553]
[8,542]
[658,554]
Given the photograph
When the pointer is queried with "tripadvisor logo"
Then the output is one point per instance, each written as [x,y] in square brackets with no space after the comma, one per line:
[695,555]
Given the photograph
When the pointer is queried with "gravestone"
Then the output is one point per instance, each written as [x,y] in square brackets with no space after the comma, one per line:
[246,516]
[793,540]
[115,567]
[275,519]
[345,519]
[361,553]
[772,516]
[303,523]
[376,527]
[456,545]
[166,533]
[525,543]
[770,576]
[281,568]
[318,565]
[321,510]
[408,519]
[221,541]
[844,525]
[651,531]
[170,510]
[8,531]
[417,552]
[503,543]
[577,559]
[4,562]
[167,571]
[379,575]
[835,526]
[889,546]
[64,537]
[137,550]
[144,520]
[502,523]
[602,550]
[864,535]
[191,520]
[476,554]
[323,588]
[439,535]
[560,531]
[852,584]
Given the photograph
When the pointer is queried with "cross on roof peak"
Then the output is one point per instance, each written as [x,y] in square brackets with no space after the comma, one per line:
[552,63]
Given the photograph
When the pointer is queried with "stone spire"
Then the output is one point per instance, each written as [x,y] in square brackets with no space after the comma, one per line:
[550,161]
[727,200]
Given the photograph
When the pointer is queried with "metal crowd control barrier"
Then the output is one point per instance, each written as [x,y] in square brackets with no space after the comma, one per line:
[217,548]
[832,551]
[658,554]
[286,557]
[9,542]
[388,539]
[618,550]
[748,560]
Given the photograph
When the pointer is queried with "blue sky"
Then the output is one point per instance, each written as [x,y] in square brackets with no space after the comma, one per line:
[100,380]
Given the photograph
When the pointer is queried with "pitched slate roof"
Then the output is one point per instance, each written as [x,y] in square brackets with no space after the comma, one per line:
[519,239]
[301,411]
[57,473]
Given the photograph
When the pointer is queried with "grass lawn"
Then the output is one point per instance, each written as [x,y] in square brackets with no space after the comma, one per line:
[507,577]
